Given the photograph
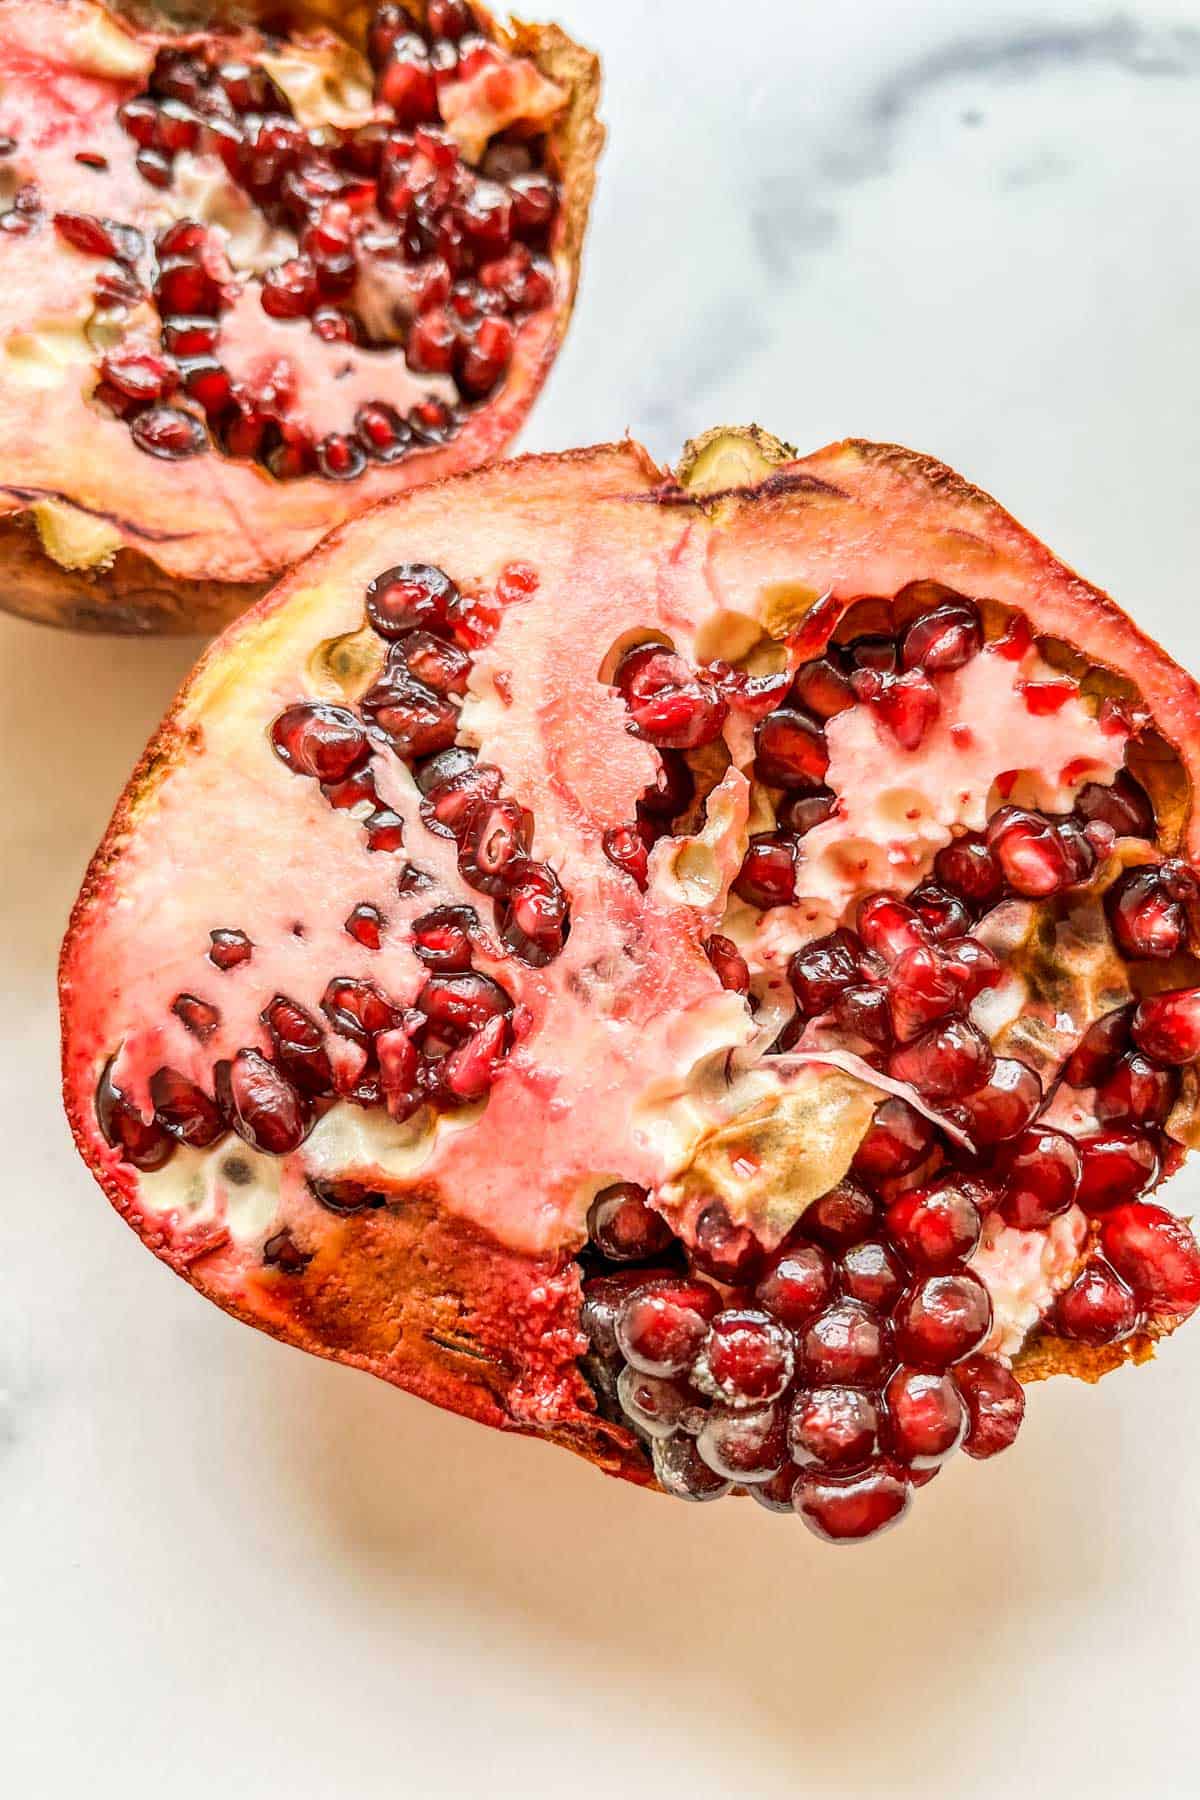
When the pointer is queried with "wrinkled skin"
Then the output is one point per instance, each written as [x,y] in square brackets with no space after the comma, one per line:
[459,1280]
[99,535]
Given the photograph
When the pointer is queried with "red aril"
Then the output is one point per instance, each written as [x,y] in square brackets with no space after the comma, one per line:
[1156,1254]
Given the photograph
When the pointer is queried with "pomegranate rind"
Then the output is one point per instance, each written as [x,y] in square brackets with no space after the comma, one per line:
[905,517]
[124,568]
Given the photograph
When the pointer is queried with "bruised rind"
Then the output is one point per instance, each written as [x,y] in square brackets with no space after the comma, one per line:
[416,1291]
[190,545]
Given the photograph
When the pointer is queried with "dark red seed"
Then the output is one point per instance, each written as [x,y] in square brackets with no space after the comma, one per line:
[626,850]
[872,1273]
[185,1110]
[1007,1102]
[188,337]
[139,117]
[920,989]
[945,1062]
[417,720]
[432,342]
[720,1248]
[1125,806]
[449,18]
[924,1417]
[1099,1049]
[1138,1092]
[411,595]
[229,948]
[495,837]
[775,1495]
[936,1226]
[624,1226]
[184,286]
[458,1004]
[801,811]
[153,166]
[357,1009]
[487,355]
[1031,855]
[143,1142]
[907,705]
[888,928]
[767,876]
[197,1016]
[165,431]
[534,204]
[138,374]
[682,1471]
[1041,1171]
[898,1140]
[669,704]
[340,457]
[261,1104]
[1157,1255]
[995,1403]
[967,867]
[1147,921]
[942,1319]
[822,688]
[790,749]
[333,326]
[848,1342]
[289,290]
[797,1283]
[184,239]
[1097,1308]
[746,1359]
[281,1251]
[744,1444]
[384,829]
[943,914]
[365,925]
[533,915]
[944,639]
[655,1403]
[823,969]
[299,1045]
[661,1326]
[406,82]
[384,435]
[1166,1027]
[323,741]
[1116,1166]
[865,1012]
[729,963]
[442,939]
[845,1508]
[844,1216]
[837,1427]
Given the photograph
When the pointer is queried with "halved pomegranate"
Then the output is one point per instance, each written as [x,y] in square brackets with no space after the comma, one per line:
[725,1177]
[254,280]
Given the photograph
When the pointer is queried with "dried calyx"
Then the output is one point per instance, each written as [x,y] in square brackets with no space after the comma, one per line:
[786,970]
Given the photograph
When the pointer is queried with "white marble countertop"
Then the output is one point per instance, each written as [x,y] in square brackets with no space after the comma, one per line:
[232,1569]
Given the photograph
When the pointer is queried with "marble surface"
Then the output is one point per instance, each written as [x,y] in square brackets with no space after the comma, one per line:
[232,1569]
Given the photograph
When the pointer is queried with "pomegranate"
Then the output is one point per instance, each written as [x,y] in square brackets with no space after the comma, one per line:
[461,993]
[264,278]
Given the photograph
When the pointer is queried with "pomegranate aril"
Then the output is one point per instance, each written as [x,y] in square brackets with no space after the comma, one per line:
[1097,1308]
[138,374]
[844,1216]
[1099,1049]
[184,286]
[533,915]
[661,1326]
[924,1417]
[669,704]
[496,836]
[383,434]
[1146,921]
[729,963]
[798,1283]
[99,237]
[936,1226]
[340,458]
[365,925]
[945,1062]
[1138,1092]
[995,1403]
[747,1359]
[872,1272]
[457,1004]
[449,804]
[1008,1101]
[1125,806]
[823,688]
[187,337]
[184,1109]
[682,1471]
[897,1141]
[261,1104]
[907,705]
[411,595]
[1032,857]
[888,928]
[626,850]
[847,1343]
[767,876]
[967,867]
[865,1012]
[823,969]
[299,1045]
[1166,1027]
[1040,1172]
[357,1009]
[388,22]
[289,290]
[799,812]
[944,639]
[942,1319]
[624,1226]
[143,1142]
[229,948]
[406,81]
[837,1427]
[384,829]
[139,117]
[747,1444]
[920,989]
[943,914]
[468,1072]
[1116,1166]
[1156,1254]
[846,1508]
[197,1016]
[486,357]
[399,1073]
[323,741]
[442,938]
[155,167]
[790,749]
[333,326]
[208,383]
[972,966]
[165,431]
[722,1249]
[417,720]
[656,1404]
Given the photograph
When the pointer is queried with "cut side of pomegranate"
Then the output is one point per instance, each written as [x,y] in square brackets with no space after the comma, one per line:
[656,963]
[267,277]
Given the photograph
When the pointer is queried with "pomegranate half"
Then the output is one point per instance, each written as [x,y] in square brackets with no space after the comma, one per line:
[699,967]
[254,279]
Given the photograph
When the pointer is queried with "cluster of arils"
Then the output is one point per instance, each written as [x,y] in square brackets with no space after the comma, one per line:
[391,204]
[838,1373]
[445,1048]
[833,1376]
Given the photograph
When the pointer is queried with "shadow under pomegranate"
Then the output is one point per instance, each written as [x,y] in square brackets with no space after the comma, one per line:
[695,966]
